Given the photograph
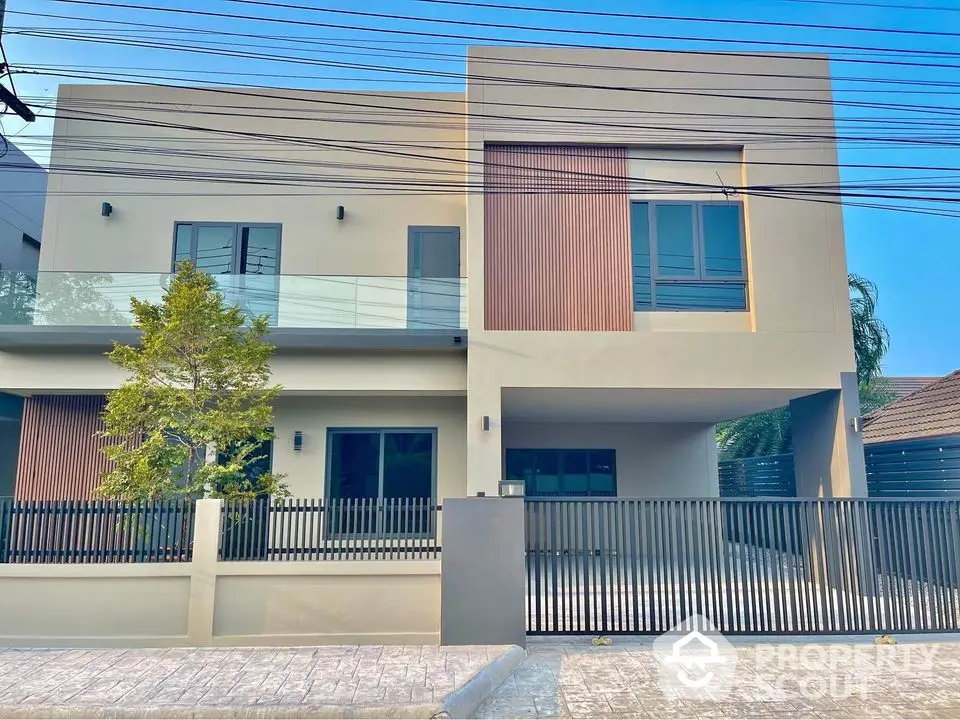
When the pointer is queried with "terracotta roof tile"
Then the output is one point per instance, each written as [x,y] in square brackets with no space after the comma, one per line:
[907,385]
[931,411]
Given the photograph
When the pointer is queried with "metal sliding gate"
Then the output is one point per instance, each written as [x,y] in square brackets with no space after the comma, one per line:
[608,566]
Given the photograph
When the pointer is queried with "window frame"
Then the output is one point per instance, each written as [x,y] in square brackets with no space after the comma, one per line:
[562,451]
[381,432]
[237,244]
[699,260]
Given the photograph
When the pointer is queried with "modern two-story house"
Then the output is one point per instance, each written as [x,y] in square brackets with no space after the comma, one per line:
[567,274]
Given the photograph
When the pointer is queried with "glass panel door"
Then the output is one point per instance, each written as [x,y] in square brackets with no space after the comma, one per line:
[407,481]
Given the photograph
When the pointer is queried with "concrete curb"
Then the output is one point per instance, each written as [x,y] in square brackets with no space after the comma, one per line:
[460,703]
[463,703]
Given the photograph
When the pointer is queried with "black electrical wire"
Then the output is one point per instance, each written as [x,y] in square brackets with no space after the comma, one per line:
[681,131]
[481,39]
[640,16]
[459,57]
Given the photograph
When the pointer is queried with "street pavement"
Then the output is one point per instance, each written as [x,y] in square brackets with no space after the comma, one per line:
[919,677]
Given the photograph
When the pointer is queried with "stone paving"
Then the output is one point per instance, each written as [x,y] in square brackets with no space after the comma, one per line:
[230,678]
[847,678]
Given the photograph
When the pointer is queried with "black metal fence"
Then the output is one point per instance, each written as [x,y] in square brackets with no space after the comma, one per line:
[767,476]
[749,566]
[95,531]
[336,529]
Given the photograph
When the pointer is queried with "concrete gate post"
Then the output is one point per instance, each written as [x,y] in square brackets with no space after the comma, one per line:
[483,583]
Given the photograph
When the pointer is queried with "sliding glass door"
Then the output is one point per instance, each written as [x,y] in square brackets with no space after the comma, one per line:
[389,473]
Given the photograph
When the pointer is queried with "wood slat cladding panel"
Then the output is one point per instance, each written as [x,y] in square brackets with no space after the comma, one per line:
[60,456]
[557,238]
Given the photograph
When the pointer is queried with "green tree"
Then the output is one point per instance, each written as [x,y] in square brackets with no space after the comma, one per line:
[769,433]
[196,407]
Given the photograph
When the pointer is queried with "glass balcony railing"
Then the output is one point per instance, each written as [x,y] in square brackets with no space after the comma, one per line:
[80,299]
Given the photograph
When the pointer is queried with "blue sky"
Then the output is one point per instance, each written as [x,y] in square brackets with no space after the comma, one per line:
[913,257]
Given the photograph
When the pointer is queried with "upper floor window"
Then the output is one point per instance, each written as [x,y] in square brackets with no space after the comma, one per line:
[688,256]
[229,249]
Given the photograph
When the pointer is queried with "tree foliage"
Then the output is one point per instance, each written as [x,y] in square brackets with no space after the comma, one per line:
[769,433]
[197,404]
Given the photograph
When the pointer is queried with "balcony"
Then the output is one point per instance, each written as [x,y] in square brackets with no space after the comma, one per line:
[81,308]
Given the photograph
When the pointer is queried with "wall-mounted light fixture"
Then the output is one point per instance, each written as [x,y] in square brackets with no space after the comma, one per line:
[857,424]
[298,440]
[106,209]
[512,489]
[485,423]
[341,213]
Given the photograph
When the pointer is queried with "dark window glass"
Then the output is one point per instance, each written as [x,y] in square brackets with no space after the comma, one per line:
[552,473]
[576,480]
[182,250]
[722,249]
[214,248]
[259,250]
[640,241]
[547,472]
[407,465]
[394,467]
[221,249]
[675,241]
[519,465]
[603,472]
[354,465]
[701,296]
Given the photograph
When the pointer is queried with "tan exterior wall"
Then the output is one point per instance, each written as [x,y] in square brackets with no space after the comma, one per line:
[61,456]
[442,373]
[321,141]
[654,460]
[94,605]
[306,468]
[357,603]
[206,602]
[796,334]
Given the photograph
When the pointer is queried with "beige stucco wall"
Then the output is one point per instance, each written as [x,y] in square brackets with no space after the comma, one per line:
[439,373]
[654,460]
[93,605]
[329,148]
[797,333]
[305,469]
[393,602]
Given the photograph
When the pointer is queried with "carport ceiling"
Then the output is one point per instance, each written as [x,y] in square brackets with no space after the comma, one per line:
[640,405]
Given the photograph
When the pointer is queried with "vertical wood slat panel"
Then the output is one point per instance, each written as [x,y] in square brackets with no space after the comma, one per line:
[60,456]
[557,250]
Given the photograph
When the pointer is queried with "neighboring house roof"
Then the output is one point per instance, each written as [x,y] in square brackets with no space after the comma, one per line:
[931,411]
[907,385]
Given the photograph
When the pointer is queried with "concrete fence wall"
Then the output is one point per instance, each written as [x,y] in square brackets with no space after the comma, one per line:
[209,602]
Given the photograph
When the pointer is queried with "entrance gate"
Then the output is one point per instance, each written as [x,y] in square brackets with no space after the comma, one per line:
[630,566]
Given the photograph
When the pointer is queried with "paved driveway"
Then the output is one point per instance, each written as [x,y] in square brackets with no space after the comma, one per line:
[848,678]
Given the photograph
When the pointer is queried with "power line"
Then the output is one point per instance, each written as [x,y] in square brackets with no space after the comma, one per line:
[641,16]
[481,39]
[705,131]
